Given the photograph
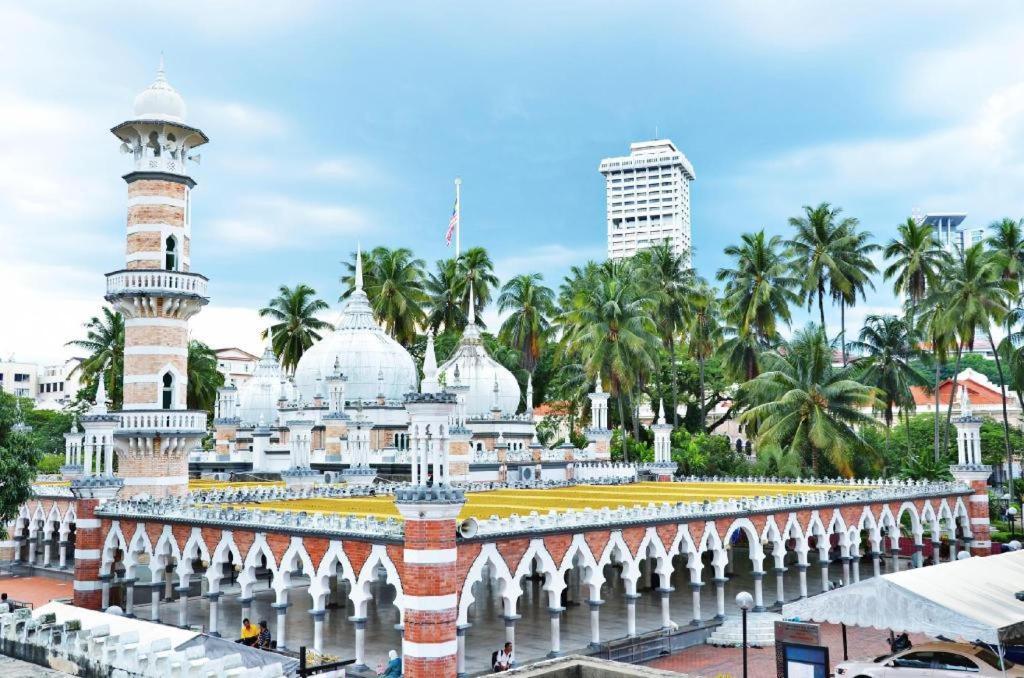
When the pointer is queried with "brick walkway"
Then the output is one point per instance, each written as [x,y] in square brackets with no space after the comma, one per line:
[727,662]
[35,590]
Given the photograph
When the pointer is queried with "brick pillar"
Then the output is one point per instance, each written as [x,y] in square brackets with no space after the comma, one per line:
[429,581]
[88,544]
[976,477]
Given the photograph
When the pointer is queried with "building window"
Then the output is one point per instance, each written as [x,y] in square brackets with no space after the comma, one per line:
[20,377]
[171,254]
[168,391]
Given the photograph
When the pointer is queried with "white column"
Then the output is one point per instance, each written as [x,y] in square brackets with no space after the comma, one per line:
[360,625]
[780,585]
[104,591]
[824,573]
[846,571]
[318,630]
[631,614]
[758,591]
[182,606]
[666,613]
[108,457]
[154,597]
[856,569]
[595,622]
[802,569]
[214,600]
[556,634]
[460,650]
[63,555]
[282,624]
[695,587]
[876,563]
[719,598]
[129,597]
[46,552]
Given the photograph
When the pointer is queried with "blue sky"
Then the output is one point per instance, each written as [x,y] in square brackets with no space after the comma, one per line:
[336,122]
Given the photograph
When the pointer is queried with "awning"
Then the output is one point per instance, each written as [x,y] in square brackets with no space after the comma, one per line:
[970,600]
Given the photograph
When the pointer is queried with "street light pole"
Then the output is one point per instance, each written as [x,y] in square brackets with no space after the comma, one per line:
[745,602]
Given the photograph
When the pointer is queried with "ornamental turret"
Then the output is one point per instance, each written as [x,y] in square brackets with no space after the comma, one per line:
[157,293]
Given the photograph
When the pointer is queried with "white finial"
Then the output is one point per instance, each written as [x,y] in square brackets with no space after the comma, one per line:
[471,314]
[429,383]
[359,266]
[160,68]
[597,385]
[101,392]
[661,411]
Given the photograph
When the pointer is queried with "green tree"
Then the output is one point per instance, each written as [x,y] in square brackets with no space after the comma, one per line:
[803,404]
[295,326]
[530,306]
[203,377]
[917,261]
[18,459]
[393,280]
[817,250]
[609,328]
[669,280]
[477,270]
[888,346]
[445,292]
[104,341]
[855,259]
[703,337]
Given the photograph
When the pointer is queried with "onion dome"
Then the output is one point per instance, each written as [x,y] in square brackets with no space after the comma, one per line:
[373,363]
[160,101]
[257,397]
[489,382]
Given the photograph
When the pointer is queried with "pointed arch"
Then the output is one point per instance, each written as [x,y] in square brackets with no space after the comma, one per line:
[488,556]
[114,542]
[259,549]
[361,591]
[224,548]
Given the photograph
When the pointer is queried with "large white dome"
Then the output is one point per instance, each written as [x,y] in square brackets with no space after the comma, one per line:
[160,101]
[257,397]
[479,371]
[364,353]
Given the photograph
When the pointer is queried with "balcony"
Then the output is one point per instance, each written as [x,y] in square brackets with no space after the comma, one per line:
[161,422]
[156,282]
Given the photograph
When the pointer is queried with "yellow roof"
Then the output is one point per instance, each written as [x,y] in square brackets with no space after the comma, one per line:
[505,502]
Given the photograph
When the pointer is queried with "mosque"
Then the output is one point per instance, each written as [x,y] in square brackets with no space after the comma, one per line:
[384,511]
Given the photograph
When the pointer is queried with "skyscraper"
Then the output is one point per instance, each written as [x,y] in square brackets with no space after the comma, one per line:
[950,230]
[648,198]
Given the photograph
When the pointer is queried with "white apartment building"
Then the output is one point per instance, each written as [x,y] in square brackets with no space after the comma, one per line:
[648,198]
[58,384]
[18,378]
[950,229]
[235,364]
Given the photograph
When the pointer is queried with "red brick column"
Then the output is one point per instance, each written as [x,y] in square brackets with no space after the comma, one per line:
[88,546]
[430,584]
[977,506]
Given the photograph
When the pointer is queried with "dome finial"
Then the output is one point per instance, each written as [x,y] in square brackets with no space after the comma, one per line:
[359,266]
[160,71]
[471,314]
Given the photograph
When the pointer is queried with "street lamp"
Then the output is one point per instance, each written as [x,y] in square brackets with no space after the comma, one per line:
[745,602]
[1011,515]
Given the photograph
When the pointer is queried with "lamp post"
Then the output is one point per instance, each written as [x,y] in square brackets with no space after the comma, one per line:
[1011,515]
[745,602]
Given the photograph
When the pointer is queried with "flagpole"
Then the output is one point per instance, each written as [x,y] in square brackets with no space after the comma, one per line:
[458,215]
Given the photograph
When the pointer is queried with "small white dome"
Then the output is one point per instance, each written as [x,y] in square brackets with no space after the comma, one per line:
[257,397]
[365,354]
[479,371]
[160,101]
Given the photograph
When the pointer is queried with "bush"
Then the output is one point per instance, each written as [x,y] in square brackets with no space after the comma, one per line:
[50,463]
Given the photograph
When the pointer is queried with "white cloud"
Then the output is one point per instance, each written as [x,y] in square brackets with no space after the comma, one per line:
[550,260]
[238,118]
[229,326]
[284,222]
[344,168]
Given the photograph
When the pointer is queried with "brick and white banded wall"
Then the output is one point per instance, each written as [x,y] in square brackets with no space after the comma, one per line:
[88,540]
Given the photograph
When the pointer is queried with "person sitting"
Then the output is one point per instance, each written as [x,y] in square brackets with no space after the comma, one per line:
[263,640]
[394,667]
[503,658]
[249,633]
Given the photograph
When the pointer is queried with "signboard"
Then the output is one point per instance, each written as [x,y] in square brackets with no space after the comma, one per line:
[798,651]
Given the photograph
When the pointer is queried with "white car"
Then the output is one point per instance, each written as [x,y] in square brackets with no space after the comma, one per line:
[931,660]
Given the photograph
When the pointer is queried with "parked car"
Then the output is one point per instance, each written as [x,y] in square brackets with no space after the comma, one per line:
[931,660]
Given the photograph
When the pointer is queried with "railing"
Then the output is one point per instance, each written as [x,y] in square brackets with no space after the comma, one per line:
[151,281]
[162,421]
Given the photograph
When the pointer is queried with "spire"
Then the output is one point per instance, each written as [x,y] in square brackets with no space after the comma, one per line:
[359,266]
[471,313]
[661,411]
[597,385]
[101,393]
[429,383]
[529,393]
[161,74]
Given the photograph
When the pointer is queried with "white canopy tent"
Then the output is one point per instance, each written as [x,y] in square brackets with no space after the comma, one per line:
[969,600]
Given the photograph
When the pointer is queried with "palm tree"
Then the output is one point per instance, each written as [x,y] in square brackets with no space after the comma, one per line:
[855,260]
[530,305]
[803,404]
[758,292]
[1007,245]
[104,340]
[446,308]
[477,269]
[393,281]
[815,250]
[918,259]
[942,334]
[609,327]
[670,280]
[888,345]
[977,296]
[203,377]
[295,325]
[703,334]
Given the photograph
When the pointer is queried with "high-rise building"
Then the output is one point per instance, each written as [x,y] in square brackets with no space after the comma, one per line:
[950,230]
[648,198]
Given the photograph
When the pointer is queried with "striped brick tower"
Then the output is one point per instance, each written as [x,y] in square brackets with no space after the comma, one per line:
[430,644]
[429,641]
[90,493]
[157,294]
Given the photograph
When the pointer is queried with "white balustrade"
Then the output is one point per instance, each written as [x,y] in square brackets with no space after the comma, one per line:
[156,282]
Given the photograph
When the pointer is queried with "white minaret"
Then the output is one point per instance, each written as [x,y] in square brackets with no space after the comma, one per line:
[157,293]
[968,432]
[599,435]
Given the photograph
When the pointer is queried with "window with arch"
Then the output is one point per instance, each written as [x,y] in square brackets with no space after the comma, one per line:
[171,253]
[167,392]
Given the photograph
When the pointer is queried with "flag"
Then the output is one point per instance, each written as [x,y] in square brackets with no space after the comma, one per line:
[453,223]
